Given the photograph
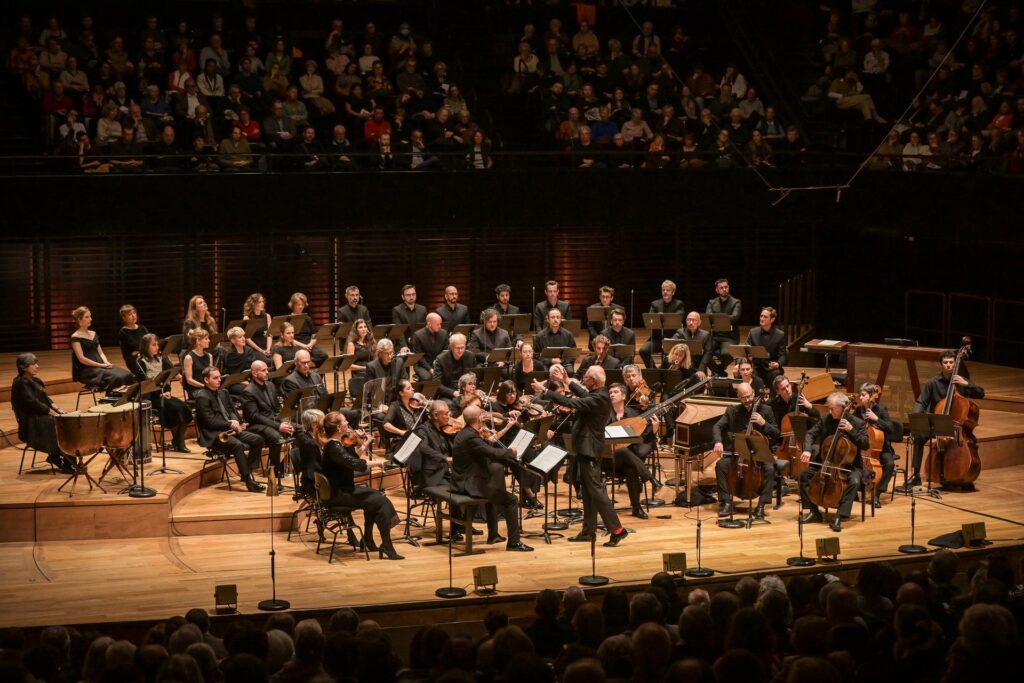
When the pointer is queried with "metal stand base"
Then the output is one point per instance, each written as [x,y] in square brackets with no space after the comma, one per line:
[699,572]
[136,491]
[801,561]
[450,592]
[274,605]
[732,523]
[912,549]
[593,580]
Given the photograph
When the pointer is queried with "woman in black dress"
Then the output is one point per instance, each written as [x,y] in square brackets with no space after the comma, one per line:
[305,335]
[34,412]
[237,358]
[198,317]
[195,361]
[402,415]
[286,346]
[174,413]
[340,465]
[361,343]
[89,365]
[255,308]
[130,335]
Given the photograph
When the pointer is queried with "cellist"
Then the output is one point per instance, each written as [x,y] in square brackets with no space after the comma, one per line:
[934,391]
[832,425]
[876,415]
[736,419]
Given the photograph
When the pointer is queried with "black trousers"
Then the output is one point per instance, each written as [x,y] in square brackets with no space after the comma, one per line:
[423,373]
[508,504]
[377,510]
[888,467]
[272,438]
[625,462]
[237,445]
[845,501]
[595,499]
[722,467]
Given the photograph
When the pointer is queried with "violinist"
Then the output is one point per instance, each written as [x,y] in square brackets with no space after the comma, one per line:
[833,424]
[488,337]
[526,364]
[428,464]
[554,336]
[774,342]
[934,391]
[690,331]
[630,460]
[402,412]
[666,304]
[469,393]
[600,357]
[737,419]
[640,395]
[340,464]
[451,365]
[507,416]
[478,470]
[616,330]
[431,341]
[876,415]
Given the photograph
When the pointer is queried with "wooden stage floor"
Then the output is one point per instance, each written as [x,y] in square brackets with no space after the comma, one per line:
[214,537]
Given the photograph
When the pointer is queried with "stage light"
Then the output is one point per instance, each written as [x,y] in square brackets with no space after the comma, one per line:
[673,563]
[226,598]
[974,534]
[828,548]
[485,579]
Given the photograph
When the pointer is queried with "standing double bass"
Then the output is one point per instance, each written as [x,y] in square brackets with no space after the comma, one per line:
[954,460]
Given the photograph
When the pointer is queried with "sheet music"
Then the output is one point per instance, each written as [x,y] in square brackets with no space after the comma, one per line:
[522,442]
[615,432]
[403,454]
[548,459]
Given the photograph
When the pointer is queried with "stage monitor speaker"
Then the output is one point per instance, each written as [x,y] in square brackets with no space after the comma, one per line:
[226,598]
[673,563]
[974,533]
[828,548]
[485,578]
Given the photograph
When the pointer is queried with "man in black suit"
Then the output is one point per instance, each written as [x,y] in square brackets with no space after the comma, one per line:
[593,406]
[431,341]
[386,366]
[607,361]
[428,464]
[478,470]
[502,294]
[408,312]
[303,376]
[215,414]
[735,420]
[774,341]
[450,365]
[451,311]
[690,331]
[551,302]
[731,306]
[260,409]
[488,336]
[554,336]
[605,297]
[616,331]
[666,304]
[353,310]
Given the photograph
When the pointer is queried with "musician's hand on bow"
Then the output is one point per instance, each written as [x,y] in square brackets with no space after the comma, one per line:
[845,425]
[757,418]
[719,448]
[805,456]
[957,379]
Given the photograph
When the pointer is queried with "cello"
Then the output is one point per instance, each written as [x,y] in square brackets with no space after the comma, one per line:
[746,479]
[826,486]
[954,460]
[876,438]
[788,448]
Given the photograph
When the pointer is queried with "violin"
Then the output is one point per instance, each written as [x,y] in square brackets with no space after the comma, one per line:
[418,401]
[642,394]
[356,437]
[452,427]
[954,460]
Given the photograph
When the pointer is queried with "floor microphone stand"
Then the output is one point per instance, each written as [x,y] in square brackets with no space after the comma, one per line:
[800,560]
[912,548]
[273,604]
[593,579]
[699,572]
[138,488]
[451,591]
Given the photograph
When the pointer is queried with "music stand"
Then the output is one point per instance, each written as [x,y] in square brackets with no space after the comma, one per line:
[516,324]
[283,371]
[410,442]
[465,329]
[331,402]
[158,383]
[599,314]
[330,333]
[538,375]
[487,377]
[924,426]
[495,356]
[572,326]
[427,387]
[237,378]
[372,396]
[668,343]
[747,351]
[753,451]
[409,360]
[278,321]
[716,323]
[390,331]
[613,376]
[550,458]
[567,354]
[290,406]
[138,488]
[171,345]
[335,365]
[624,352]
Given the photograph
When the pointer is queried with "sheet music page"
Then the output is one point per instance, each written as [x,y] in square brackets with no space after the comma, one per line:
[613,432]
[403,454]
[522,442]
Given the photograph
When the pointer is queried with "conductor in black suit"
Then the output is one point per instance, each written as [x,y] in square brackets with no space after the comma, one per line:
[478,470]
[215,414]
[260,409]
[593,406]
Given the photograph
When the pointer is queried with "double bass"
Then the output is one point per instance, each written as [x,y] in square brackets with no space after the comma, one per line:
[746,479]
[788,448]
[954,460]
[826,486]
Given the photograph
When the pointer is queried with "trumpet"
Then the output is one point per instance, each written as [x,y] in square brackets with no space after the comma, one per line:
[228,433]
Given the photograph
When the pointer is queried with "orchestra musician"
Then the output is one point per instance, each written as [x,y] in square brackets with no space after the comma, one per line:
[216,416]
[401,415]
[745,373]
[934,391]
[451,311]
[353,310]
[469,393]
[478,470]
[605,297]
[260,409]
[639,394]
[196,361]
[431,341]
[616,330]
[600,357]
[286,346]
[832,424]
[428,464]
[774,342]
[255,308]
[666,304]
[197,317]
[89,365]
[735,420]
[303,376]
[502,416]
[630,460]
[526,364]
[129,337]
[554,336]
[449,366]
[388,367]
[592,406]
[502,294]
[340,464]
[34,412]
[238,357]
[786,401]
[551,302]
[175,414]
[690,331]
[361,344]
[305,336]
[731,306]
[408,313]
[488,336]
[877,416]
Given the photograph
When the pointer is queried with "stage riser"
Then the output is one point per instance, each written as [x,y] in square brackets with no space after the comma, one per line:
[249,525]
[85,522]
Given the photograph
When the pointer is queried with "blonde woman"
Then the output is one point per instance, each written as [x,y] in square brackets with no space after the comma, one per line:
[255,308]
[89,365]
[195,361]
[198,317]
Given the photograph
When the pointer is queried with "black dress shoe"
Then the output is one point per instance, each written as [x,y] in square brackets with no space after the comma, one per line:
[581,538]
[876,503]
[518,547]
[369,545]
[656,486]
[811,517]
[478,532]
[457,537]
[837,524]
[389,553]
[759,511]
[640,512]
[914,480]
[254,486]
[616,538]
[535,504]
[180,448]
[496,538]
[725,510]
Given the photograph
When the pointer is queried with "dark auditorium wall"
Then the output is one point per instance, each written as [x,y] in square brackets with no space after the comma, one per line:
[154,241]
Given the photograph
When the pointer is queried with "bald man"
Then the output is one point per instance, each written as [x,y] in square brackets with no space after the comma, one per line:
[260,408]
[431,341]
[451,311]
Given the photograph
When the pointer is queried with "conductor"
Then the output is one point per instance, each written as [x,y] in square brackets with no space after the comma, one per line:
[593,406]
